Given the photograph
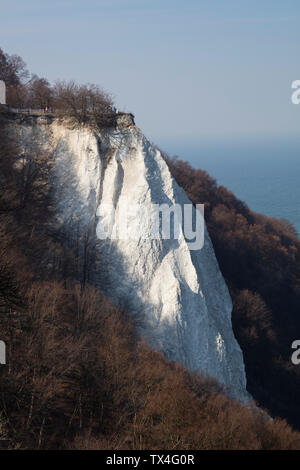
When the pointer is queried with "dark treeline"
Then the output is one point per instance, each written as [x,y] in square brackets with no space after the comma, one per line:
[260,260]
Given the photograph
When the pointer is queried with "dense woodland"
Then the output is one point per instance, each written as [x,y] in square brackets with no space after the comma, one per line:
[260,260]
[78,376]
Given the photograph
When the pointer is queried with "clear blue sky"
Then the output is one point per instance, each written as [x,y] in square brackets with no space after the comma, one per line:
[188,69]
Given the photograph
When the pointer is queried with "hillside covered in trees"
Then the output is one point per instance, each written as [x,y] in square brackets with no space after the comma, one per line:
[78,376]
[259,257]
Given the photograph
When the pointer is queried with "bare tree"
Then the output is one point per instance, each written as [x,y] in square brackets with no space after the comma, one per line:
[14,72]
[40,93]
[83,103]
[12,69]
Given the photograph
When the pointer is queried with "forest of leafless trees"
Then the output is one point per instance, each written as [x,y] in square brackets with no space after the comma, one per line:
[78,103]
[259,257]
[78,376]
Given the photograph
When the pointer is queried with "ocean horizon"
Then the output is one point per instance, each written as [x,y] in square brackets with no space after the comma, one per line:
[262,172]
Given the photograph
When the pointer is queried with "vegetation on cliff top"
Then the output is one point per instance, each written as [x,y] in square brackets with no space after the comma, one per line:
[80,104]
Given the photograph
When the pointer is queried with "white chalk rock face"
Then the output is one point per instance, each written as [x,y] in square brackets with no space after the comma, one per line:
[178,294]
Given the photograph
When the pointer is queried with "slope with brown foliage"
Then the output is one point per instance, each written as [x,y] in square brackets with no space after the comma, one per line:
[77,375]
[260,260]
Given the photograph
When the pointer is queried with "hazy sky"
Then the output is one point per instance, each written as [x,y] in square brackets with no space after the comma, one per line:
[187,69]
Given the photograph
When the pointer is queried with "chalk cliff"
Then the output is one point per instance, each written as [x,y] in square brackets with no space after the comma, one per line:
[178,295]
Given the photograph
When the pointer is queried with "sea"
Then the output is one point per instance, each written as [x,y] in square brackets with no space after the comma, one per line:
[262,172]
